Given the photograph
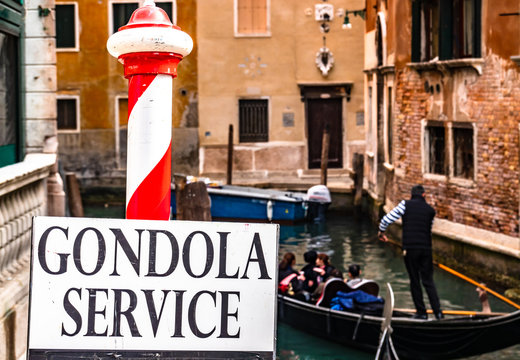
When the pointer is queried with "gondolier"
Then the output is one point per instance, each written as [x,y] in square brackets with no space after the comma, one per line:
[417,217]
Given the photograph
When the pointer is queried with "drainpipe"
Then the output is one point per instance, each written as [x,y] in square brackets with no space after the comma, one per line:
[149,47]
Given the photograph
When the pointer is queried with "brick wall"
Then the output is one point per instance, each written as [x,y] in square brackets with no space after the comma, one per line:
[492,101]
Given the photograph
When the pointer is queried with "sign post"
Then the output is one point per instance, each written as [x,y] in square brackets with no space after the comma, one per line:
[110,288]
[150,47]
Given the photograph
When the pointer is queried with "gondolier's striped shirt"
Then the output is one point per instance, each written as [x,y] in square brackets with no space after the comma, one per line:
[392,216]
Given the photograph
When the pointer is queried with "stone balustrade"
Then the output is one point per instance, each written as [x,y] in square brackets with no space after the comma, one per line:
[22,196]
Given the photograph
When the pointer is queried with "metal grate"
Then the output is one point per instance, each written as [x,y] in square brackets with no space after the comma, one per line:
[253,121]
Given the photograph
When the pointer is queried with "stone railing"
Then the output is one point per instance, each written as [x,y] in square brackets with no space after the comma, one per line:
[23,194]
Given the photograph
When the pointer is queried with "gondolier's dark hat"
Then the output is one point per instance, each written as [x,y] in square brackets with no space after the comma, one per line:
[417,190]
[310,256]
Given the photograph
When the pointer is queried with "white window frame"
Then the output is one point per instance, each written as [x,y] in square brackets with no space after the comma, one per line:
[117,127]
[76,26]
[78,114]
[140,3]
[267,33]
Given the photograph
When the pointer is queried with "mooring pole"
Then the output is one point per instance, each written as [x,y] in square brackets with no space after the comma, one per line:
[149,47]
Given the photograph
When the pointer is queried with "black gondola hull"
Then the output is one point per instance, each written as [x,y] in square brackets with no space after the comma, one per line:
[413,339]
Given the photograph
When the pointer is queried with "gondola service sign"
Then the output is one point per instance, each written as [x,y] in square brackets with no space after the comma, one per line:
[109,285]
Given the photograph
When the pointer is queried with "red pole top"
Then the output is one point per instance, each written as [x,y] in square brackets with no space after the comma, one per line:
[147,16]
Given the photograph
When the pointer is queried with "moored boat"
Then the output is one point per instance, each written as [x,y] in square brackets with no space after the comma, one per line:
[243,203]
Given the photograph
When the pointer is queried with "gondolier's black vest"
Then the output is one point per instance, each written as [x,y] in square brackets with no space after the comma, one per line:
[417,224]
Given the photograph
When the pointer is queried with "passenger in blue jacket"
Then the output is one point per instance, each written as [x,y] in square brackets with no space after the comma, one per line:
[417,218]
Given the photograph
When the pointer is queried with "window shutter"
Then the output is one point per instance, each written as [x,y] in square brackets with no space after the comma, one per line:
[416,31]
[446,30]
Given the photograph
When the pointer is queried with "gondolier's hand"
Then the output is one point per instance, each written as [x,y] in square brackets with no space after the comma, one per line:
[381,236]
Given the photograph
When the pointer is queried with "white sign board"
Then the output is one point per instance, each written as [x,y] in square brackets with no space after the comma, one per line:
[109,284]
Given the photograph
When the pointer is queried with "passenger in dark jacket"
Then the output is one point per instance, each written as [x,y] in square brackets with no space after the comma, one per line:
[417,218]
[311,276]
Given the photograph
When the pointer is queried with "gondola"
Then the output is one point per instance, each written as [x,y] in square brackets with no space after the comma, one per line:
[449,338]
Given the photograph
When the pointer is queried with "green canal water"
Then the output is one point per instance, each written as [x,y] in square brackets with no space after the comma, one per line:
[348,240]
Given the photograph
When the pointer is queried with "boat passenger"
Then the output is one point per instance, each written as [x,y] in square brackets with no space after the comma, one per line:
[354,275]
[323,267]
[356,282]
[288,282]
[310,277]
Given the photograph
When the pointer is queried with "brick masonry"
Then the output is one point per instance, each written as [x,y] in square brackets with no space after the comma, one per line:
[492,101]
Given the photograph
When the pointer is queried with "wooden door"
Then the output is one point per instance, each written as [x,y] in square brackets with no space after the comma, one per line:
[320,113]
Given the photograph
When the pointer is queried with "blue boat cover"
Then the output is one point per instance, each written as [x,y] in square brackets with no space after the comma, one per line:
[346,301]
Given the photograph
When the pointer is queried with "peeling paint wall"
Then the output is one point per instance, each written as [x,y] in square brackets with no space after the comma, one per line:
[484,93]
[96,153]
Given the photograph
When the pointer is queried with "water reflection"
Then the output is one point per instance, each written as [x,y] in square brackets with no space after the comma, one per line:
[346,241]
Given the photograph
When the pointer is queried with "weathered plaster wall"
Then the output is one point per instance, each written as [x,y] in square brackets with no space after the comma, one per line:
[98,79]
[231,68]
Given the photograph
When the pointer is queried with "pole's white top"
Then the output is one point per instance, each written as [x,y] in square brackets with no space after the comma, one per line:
[149,39]
[149,3]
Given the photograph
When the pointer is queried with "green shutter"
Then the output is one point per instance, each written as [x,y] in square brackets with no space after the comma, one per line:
[478,29]
[416,30]
[446,30]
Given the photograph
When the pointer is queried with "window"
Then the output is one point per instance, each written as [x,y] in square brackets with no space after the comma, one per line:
[253,121]
[122,11]
[445,29]
[435,149]
[68,114]
[9,98]
[251,17]
[463,163]
[66,34]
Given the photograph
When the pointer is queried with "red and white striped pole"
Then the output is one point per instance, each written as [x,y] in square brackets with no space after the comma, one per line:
[150,47]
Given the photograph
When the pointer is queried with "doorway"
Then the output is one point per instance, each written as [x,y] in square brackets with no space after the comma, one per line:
[325,114]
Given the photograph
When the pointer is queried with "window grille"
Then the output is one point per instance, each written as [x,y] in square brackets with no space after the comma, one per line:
[463,165]
[253,121]
[436,149]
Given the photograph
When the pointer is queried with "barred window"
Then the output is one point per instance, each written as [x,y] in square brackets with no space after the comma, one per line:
[463,166]
[253,120]
[436,149]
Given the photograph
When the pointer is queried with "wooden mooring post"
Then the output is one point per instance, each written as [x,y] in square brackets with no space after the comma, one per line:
[324,155]
[192,199]
[230,156]
[358,166]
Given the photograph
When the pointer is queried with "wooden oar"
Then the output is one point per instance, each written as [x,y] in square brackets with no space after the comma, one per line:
[464,277]
[455,312]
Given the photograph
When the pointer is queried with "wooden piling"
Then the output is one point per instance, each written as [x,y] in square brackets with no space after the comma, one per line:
[230,156]
[358,165]
[74,195]
[192,199]
[324,155]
